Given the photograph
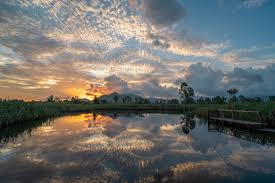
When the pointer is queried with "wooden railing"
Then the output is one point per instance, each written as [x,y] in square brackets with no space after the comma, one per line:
[253,136]
[232,112]
[273,117]
[253,118]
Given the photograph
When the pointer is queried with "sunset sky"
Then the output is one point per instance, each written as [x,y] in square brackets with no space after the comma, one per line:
[146,47]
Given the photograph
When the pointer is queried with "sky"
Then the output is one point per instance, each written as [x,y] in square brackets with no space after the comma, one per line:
[147,47]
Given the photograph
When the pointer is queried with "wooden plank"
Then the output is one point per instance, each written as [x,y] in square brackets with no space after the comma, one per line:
[267,130]
[226,110]
[237,121]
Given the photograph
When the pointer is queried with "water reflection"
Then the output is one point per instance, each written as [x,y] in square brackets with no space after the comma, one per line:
[264,138]
[114,147]
[188,123]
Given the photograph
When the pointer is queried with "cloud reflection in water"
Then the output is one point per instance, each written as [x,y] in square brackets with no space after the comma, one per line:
[141,148]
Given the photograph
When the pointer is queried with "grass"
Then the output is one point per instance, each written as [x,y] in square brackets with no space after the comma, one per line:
[14,111]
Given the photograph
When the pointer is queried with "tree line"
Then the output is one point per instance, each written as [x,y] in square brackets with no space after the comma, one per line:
[186,96]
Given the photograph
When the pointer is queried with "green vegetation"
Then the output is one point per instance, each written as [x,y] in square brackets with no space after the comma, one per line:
[15,111]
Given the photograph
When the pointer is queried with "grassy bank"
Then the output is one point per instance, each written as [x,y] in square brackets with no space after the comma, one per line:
[18,111]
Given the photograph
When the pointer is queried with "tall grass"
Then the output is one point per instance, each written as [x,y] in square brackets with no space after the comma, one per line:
[16,111]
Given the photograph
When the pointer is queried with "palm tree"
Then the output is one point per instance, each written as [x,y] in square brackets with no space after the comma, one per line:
[232,92]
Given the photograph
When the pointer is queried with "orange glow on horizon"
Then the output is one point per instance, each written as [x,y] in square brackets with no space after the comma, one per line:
[82,93]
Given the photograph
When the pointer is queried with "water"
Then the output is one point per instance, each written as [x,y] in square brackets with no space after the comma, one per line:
[135,148]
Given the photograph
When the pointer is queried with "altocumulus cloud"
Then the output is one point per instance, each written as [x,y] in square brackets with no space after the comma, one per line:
[140,46]
[251,82]
[163,12]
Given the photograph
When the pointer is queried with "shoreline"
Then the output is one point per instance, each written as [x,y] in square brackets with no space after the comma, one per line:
[20,112]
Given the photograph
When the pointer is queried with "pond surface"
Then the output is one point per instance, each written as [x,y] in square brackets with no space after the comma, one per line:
[135,148]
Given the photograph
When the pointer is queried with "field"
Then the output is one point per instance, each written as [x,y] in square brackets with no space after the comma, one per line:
[14,111]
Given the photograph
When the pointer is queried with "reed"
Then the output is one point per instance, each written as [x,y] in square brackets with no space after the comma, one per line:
[17,111]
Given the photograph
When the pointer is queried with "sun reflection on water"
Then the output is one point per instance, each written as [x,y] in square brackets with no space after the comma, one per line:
[110,147]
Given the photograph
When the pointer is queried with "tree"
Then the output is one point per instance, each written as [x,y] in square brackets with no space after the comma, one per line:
[200,100]
[272,98]
[116,98]
[161,101]
[242,99]
[128,99]
[218,100]
[50,98]
[173,101]
[75,100]
[258,99]
[124,99]
[96,101]
[186,93]
[207,100]
[56,99]
[232,92]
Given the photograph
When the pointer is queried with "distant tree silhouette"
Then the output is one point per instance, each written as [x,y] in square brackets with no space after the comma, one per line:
[258,99]
[232,92]
[124,99]
[116,98]
[218,100]
[272,98]
[56,99]
[207,100]
[96,101]
[75,100]
[161,101]
[128,99]
[242,99]
[173,101]
[50,98]
[186,93]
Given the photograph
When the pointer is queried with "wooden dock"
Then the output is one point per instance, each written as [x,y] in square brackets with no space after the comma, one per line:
[261,136]
[233,117]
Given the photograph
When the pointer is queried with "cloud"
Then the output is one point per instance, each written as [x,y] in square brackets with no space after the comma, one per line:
[115,83]
[245,57]
[163,12]
[253,3]
[152,88]
[205,80]
[149,88]
[142,46]
[250,82]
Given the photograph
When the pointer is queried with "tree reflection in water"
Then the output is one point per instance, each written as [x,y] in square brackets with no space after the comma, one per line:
[259,137]
[187,123]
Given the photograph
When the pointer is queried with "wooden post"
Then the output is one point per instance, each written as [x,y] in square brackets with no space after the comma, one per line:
[273,117]
[260,116]
[222,114]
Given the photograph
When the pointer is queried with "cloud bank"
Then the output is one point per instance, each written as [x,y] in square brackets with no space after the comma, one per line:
[141,46]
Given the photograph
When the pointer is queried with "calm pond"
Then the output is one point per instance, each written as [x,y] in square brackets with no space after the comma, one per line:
[135,148]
